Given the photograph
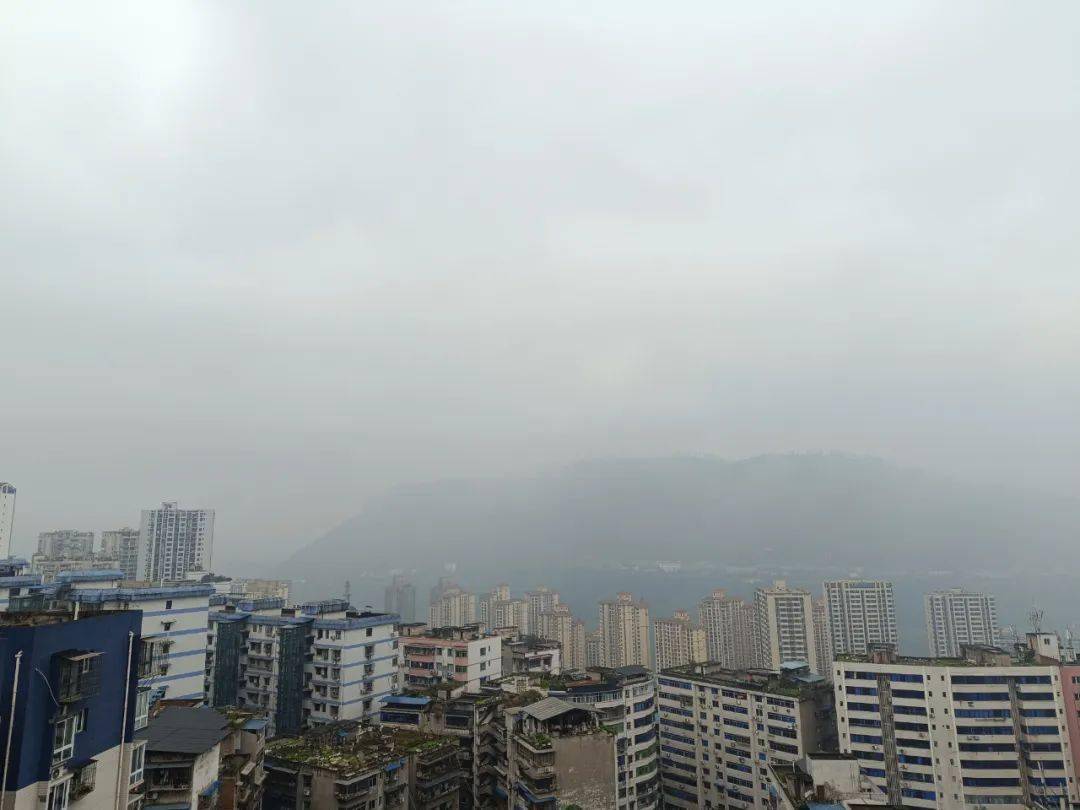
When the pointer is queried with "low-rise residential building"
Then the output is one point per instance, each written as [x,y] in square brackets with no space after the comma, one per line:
[256,588]
[242,775]
[822,781]
[720,729]
[625,701]
[678,641]
[982,729]
[344,766]
[50,568]
[529,655]
[68,708]
[475,720]
[319,662]
[559,754]
[183,757]
[173,627]
[15,579]
[464,655]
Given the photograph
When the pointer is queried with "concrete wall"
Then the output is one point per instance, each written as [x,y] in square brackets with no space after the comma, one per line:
[585,771]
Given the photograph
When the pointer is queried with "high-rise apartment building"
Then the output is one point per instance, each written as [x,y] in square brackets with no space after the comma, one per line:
[317,663]
[174,542]
[594,649]
[981,730]
[400,598]
[7,517]
[627,693]
[510,613]
[542,600]
[484,604]
[66,544]
[624,628]
[122,545]
[454,608]
[785,626]
[955,617]
[860,612]
[823,664]
[730,626]
[678,641]
[721,729]
[559,625]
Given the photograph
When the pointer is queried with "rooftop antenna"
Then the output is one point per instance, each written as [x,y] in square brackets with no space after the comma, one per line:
[1036,617]
[348,592]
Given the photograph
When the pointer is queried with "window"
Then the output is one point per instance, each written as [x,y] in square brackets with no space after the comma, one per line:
[80,720]
[63,742]
[138,757]
[58,795]
[168,604]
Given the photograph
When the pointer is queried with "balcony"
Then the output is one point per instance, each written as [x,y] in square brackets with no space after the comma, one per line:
[80,676]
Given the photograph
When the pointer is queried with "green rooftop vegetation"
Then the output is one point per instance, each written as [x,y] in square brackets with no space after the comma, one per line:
[370,749]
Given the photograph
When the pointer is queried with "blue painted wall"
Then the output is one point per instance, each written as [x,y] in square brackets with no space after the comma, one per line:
[31,749]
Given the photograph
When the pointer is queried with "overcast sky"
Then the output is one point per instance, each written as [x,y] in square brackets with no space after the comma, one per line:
[274,257]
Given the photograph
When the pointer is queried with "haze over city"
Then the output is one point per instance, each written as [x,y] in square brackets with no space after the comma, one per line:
[594,406]
[277,261]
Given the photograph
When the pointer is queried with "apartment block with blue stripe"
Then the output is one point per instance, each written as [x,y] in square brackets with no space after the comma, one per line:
[173,626]
[68,708]
[316,663]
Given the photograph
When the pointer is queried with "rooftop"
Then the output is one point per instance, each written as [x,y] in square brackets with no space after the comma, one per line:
[755,680]
[349,751]
[180,730]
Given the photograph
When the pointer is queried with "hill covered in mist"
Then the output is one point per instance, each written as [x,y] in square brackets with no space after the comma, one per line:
[813,509]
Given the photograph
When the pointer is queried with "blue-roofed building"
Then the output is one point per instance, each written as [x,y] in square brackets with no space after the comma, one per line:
[173,626]
[68,713]
[316,663]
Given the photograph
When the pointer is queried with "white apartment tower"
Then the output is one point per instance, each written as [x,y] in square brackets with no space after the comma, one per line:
[7,517]
[729,625]
[66,544]
[860,612]
[454,608]
[174,542]
[785,626]
[510,613]
[542,600]
[678,642]
[721,729]
[822,641]
[977,731]
[122,545]
[956,617]
[624,628]
[558,624]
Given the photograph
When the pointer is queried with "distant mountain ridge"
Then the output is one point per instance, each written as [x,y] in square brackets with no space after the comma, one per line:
[849,511]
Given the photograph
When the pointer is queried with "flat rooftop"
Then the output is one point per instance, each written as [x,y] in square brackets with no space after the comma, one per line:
[752,680]
[369,749]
